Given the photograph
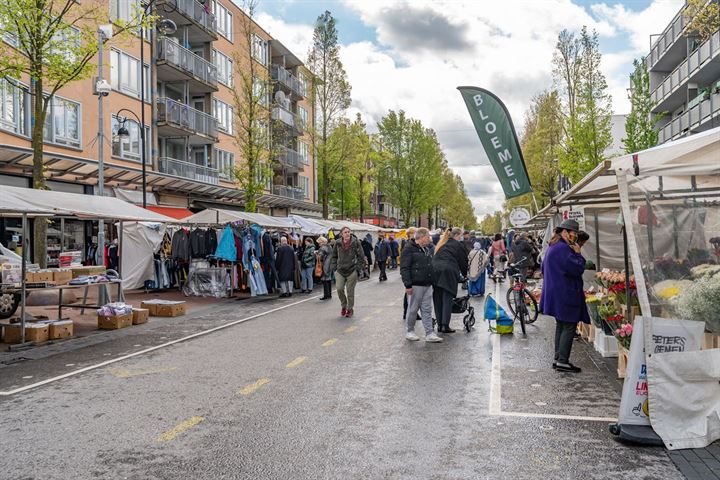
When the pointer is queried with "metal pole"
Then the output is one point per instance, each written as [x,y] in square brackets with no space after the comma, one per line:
[142,115]
[101,153]
[23,269]
[597,241]
[627,272]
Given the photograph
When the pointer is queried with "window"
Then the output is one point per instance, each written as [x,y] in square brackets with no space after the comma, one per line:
[14,107]
[224,20]
[127,11]
[129,149]
[304,185]
[63,40]
[260,91]
[260,50]
[62,123]
[225,162]
[224,66]
[303,114]
[125,74]
[303,83]
[224,115]
[303,150]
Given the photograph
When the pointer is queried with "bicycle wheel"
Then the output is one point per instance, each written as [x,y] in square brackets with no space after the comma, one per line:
[532,307]
[523,315]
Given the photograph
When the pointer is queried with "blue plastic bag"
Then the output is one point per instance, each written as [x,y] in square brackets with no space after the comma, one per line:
[494,312]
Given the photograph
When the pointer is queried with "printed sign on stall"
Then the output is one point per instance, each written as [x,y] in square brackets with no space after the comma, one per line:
[577,215]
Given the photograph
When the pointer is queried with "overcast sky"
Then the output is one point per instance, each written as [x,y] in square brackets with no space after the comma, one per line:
[411,55]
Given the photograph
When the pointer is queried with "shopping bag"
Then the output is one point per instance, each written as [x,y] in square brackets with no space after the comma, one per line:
[494,312]
[318,267]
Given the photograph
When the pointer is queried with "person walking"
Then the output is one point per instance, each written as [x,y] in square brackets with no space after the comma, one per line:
[477,260]
[562,294]
[449,269]
[323,253]
[410,233]
[394,252]
[367,249]
[347,259]
[417,275]
[498,255]
[523,254]
[468,242]
[382,252]
[285,266]
[307,266]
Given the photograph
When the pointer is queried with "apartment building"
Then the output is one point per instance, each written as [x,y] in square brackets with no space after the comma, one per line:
[684,79]
[190,114]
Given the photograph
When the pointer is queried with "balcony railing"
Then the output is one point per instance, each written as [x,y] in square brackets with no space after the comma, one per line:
[194,10]
[682,73]
[288,118]
[288,79]
[183,169]
[666,39]
[187,118]
[289,192]
[290,158]
[187,61]
[693,118]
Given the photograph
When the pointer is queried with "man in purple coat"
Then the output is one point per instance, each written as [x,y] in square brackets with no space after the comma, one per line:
[563,296]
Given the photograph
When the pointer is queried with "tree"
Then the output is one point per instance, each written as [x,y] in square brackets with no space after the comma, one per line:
[411,173]
[702,17]
[457,207]
[252,106]
[330,95]
[640,124]
[341,149]
[491,223]
[52,43]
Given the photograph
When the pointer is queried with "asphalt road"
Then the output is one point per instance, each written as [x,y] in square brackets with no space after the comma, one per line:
[300,393]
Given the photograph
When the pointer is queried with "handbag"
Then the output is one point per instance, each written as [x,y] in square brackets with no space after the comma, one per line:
[318,267]
[503,258]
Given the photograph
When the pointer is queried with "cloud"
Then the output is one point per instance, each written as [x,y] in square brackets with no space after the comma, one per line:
[296,37]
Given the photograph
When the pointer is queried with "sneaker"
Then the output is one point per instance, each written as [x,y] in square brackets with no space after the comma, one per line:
[343,312]
[412,336]
[433,338]
[567,367]
[349,313]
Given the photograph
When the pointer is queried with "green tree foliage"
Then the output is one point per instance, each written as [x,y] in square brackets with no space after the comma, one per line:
[640,124]
[52,43]
[702,17]
[411,174]
[330,95]
[456,206]
[588,105]
[491,223]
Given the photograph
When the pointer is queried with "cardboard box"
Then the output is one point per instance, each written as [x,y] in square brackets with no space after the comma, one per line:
[12,333]
[61,277]
[114,322]
[61,329]
[37,332]
[140,315]
[174,309]
[11,273]
[150,306]
[80,271]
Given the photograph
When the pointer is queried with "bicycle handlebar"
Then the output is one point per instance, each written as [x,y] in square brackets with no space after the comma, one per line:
[515,265]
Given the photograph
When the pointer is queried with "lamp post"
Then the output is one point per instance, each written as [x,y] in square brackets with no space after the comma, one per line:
[124,134]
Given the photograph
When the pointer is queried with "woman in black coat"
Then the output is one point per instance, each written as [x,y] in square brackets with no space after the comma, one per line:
[450,266]
[285,265]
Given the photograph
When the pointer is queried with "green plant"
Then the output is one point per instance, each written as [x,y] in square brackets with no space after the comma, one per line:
[701,302]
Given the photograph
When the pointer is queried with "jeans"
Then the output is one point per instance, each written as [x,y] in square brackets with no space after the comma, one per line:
[393,262]
[306,275]
[443,301]
[286,287]
[342,283]
[421,299]
[564,336]
[383,266]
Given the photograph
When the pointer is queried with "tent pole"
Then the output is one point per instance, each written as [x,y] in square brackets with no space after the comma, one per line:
[597,241]
[23,270]
[650,222]
[676,247]
[120,248]
[626,257]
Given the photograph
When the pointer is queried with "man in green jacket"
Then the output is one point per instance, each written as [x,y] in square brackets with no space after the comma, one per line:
[346,261]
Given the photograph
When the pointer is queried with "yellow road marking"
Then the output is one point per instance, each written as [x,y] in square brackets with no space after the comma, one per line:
[350,329]
[366,319]
[122,373]
[183,427]
[330,342]
[254,386]
[296,362]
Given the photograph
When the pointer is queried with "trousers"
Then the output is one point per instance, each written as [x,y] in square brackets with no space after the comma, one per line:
[343,283]
[421,299]
[286,287]
[306,278]
[327,288]
[443,301]
[382,265]
[564,336]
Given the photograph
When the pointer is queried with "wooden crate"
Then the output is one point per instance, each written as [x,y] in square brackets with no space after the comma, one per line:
[710,340]
[591,333]
[622,361]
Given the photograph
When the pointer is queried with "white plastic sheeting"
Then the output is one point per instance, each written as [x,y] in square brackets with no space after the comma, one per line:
[684,397]
[140,242]
[78,205]
[218,216]
[11,205]
[309,226]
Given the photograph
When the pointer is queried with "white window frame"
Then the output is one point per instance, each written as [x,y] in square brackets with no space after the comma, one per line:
[224,19]
[223,112]
[303,114]
[260,50]
[304,185]
[49,133]
[304,151]
[224,65]
[224,162]
[118,79]
[18,93]
[125,153]
[303,82]
[260,88]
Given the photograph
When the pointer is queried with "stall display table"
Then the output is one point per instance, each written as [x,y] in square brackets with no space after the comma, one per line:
[105,287]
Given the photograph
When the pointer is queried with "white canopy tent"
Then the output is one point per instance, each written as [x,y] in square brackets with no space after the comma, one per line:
[218,216]
[309,226]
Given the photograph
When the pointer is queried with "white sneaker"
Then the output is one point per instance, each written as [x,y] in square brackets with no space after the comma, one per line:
[433,338]
[412,337]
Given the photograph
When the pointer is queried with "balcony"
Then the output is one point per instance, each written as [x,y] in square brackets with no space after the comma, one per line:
[667,42]
[695,119]
[180,11]
[177,119]
[288,118]
[668,95]
[176,63]
[291,159]
[289,192]
[288,82]
[182,169]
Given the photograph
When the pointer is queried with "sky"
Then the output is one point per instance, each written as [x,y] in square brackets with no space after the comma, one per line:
[412,54]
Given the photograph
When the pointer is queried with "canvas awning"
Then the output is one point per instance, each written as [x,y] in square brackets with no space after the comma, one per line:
[309,226]
[218,216]
[78,205]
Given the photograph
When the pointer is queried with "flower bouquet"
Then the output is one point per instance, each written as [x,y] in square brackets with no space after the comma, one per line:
[701,301]
[608,317]
[623,334]
[665,268]
[593,301]
[619,291]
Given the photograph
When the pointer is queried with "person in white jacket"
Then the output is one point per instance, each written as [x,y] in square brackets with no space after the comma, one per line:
[477,261]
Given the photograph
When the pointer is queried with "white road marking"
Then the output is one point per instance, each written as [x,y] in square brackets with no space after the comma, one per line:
[151,349]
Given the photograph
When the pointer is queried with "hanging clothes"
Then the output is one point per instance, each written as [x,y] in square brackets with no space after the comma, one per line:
[211,241]
[197,244]
[180,245]
[226,248]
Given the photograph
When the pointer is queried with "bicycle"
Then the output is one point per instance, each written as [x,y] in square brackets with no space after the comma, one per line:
[520,301]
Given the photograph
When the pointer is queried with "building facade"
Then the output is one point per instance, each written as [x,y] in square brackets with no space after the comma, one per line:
[191,110]
[684,80]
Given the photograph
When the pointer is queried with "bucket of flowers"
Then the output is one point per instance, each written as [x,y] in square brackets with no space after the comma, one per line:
[593,301]
[610,319]
[623,334]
